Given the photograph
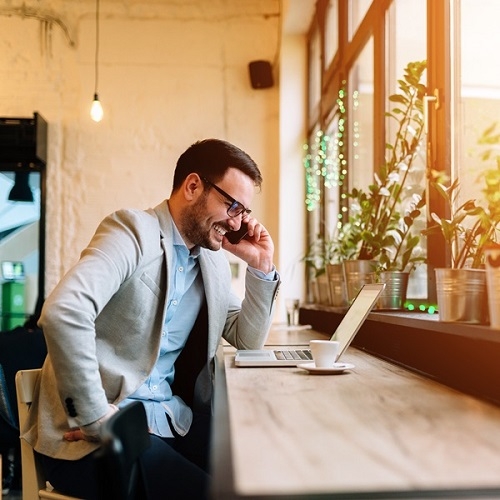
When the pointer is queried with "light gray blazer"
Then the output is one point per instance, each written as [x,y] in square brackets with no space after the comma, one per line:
[103,325]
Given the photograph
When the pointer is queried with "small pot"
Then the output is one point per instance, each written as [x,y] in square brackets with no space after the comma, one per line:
[394,295]
[461,295]
[356,274]
[492,262]
[335,273]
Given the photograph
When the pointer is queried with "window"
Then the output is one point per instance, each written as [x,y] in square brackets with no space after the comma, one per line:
[357,11]
[366,46]
[476,107]
[360,119]
[331,31]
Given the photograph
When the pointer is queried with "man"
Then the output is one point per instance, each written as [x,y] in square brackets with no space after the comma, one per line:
[140,316]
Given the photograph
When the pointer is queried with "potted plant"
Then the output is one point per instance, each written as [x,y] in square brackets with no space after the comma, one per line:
[318,255]
[341,251]
[382,220]
[473,225]
[492,265]
[491,191]
[469,230]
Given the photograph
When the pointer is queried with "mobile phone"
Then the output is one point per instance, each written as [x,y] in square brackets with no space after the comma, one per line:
[236,236]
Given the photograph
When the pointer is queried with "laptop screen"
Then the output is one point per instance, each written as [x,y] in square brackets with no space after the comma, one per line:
[356,314]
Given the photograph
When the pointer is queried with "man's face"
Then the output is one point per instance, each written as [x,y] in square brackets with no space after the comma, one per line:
[206,220]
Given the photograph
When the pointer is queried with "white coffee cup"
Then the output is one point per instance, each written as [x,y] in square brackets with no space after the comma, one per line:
[324,352]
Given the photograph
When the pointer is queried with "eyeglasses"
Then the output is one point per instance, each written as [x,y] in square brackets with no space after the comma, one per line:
[235,208]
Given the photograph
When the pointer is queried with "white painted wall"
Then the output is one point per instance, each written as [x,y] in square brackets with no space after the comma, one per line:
[170,73]
[291,187]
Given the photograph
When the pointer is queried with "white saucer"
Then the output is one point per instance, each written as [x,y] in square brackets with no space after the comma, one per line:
[336,368]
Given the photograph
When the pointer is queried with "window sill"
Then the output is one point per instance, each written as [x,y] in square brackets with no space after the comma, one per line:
[464,357]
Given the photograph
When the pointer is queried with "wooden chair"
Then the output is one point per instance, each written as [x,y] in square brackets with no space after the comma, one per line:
[124,437]
[34,485]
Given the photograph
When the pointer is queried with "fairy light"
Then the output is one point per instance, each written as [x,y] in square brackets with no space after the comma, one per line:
[424,308]
[324,159]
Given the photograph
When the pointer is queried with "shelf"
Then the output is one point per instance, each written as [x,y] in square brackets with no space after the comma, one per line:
[462,356]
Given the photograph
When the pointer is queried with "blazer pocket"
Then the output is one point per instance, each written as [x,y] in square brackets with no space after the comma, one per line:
[151,284]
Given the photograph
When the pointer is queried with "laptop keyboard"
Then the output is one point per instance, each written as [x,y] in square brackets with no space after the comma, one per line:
[295,354]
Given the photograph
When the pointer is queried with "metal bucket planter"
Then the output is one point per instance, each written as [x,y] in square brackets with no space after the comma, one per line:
[493,284]
[321,290]
[335,273]
[394,295]
[356,274]
[461,295]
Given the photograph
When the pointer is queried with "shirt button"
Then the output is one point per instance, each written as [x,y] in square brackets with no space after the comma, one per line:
[174,302]
[154,387]
[180,269]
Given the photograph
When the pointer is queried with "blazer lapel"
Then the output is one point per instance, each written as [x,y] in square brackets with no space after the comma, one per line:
[214,289]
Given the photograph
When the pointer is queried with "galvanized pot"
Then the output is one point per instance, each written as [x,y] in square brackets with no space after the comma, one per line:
[461,295]
[356,274]
[394,295]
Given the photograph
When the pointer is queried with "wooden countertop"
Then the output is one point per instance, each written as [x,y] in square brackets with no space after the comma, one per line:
[377,431]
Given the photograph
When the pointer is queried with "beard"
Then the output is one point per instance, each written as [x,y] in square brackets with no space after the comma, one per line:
[196,229]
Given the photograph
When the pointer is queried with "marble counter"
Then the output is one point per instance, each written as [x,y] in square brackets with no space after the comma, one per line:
[376,431]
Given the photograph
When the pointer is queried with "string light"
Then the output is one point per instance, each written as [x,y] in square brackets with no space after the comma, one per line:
[425,308]
[324,159]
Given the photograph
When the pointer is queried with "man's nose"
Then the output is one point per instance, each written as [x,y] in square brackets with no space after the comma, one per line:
[234,223]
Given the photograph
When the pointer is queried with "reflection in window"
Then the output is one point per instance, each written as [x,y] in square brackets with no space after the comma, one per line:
[357,11]
[477,105]
[336,168]
[406,28]
[360,122]
[314,74]
[19,234]
[331,31]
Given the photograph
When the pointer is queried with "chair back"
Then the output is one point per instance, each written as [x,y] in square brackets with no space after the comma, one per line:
[32,477]
[124,437]
[34,485]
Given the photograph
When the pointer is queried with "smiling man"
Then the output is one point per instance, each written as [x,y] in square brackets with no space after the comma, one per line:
[140,316]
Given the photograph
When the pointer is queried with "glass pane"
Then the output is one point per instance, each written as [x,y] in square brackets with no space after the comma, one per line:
[19,246]
[314,74]
[406,28]
[360,124]
[335,169]
[331,31]
[313,164]
[477,105]
[357,11]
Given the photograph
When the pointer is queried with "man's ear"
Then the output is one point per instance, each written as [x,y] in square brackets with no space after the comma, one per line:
[192,187]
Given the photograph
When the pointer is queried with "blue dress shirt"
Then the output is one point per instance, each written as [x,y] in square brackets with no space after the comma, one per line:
[185,293]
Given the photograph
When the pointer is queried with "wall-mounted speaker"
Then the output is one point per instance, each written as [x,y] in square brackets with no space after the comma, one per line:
[261,74]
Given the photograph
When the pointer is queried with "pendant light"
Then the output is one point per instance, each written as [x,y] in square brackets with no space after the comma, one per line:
[96,112]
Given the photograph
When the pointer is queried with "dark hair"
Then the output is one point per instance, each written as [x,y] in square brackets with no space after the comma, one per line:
[211,158]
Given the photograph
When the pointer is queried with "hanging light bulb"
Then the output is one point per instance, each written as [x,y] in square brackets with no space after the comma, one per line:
[96,111]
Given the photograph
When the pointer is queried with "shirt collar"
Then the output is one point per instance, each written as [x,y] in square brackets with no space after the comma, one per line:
[179,242]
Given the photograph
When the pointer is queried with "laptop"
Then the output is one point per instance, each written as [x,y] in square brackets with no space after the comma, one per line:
[345,333]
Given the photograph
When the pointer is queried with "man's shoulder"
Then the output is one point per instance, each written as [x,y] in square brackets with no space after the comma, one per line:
[133,219]
[129,228]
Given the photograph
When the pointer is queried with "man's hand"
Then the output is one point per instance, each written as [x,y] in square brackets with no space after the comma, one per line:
[90,432]
[256,249]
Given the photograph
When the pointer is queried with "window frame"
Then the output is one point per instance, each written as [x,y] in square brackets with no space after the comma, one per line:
[438,81]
